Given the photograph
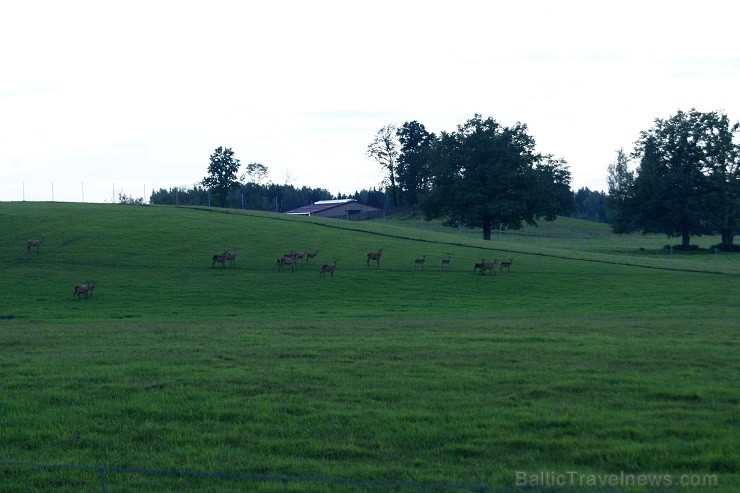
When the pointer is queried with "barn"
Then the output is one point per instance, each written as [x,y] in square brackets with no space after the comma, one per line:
[339,209]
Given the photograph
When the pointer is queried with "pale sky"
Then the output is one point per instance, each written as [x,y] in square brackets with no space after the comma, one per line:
[106,97]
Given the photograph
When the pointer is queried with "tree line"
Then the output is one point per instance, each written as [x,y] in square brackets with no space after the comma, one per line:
[680,180]
[484,174]
[686,181]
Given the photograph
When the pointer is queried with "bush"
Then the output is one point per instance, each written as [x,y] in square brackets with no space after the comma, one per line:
[726,248]
[126,199]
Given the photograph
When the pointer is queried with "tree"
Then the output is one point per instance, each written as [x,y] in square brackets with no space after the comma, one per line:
[686,182]
[722,167]
[413,160]
[222,174]
[256,172]
[590,205]
[620,180]
[384,149]
[485,174]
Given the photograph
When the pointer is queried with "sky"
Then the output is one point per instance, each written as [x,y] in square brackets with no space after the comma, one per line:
[99,99]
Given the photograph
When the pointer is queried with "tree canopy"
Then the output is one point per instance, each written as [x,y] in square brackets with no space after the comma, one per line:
[413,161]
[485,174]
[384,149]
[222,174]
[686,182]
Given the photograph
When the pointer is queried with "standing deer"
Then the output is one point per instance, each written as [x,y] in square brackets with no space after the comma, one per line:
[420,261]
[287,260]
[478,265]
[330,268]
[445,262]
[85,289]
[507,264]
[35,243]
[310,255]
[374,256]
[219,258]
[231,257]
[488,266]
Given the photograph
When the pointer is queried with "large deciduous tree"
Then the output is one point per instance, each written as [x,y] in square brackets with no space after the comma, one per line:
[413,161]
[686,182]
[384,149]
[485,174]
[222,174]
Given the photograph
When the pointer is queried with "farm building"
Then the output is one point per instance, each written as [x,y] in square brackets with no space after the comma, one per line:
[339,209]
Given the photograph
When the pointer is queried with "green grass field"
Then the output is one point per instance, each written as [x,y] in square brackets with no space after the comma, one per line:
[597,354]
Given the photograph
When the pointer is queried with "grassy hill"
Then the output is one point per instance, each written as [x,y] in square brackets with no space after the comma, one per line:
[591,355]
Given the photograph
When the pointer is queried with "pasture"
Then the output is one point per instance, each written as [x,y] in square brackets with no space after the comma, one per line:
[581,358]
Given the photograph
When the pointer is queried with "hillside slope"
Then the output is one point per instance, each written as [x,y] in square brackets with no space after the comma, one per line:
[156,262]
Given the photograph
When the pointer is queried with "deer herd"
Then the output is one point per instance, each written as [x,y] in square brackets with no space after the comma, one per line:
[293,259]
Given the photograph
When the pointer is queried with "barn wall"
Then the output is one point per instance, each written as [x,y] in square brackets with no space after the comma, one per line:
[354,211]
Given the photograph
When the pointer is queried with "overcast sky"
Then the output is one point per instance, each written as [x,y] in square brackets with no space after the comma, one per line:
[125,97]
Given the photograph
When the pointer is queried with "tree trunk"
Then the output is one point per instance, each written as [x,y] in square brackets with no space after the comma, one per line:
[487,229]
[727,237]
[685,240]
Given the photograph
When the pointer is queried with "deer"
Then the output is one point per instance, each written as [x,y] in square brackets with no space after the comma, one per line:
[507,264]
[420,261]
[488,266]
[231,257]
[330,268]
[35,243]
[478,265]
[374,256]
[85,289]
[445,262]
[219,258]
[287,260]
[310,255]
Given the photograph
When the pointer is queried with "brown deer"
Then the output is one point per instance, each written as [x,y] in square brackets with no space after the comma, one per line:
[231,257]
[420,261]
[85,289]
[374,256]
[35,243]
[219,258]
[445,262]
[287,260]
[310,255]
[330,268]
[507,264]
[478,265]
[488,266]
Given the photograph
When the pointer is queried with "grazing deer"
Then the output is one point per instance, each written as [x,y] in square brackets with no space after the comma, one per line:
[330,268]
[420,261]
[35,243]
[231,257]
[445,262]
[488,266]
[507,264]
[219,258]
[310,255]
[478,265]
[85,289]
[287,260]
[374,256]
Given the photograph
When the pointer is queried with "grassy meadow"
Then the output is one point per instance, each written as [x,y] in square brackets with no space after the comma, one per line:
[598,354]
